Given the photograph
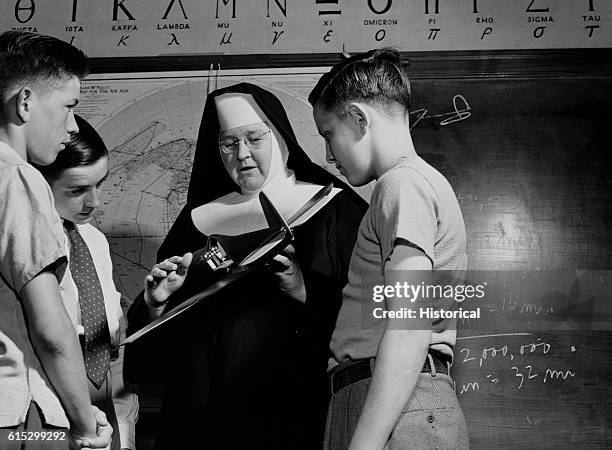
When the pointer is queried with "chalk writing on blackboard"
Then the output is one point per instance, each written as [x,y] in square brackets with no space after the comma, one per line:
[533,347]
[513,365]
[461,111]
[523,308]
[471,386]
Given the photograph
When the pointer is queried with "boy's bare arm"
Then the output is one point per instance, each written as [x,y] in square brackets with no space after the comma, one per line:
[400,358]
[55,341]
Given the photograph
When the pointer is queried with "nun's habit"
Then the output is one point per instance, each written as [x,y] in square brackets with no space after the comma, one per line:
[246,368]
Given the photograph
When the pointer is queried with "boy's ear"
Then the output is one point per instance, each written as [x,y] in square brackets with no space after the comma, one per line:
[24,104]
[358,115]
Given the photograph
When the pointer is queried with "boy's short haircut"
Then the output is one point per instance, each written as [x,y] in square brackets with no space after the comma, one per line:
[377,77]
[37,59]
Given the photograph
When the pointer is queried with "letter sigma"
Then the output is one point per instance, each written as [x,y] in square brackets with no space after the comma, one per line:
[539,19]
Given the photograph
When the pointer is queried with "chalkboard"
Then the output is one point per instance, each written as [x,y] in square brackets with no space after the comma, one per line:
[532,169]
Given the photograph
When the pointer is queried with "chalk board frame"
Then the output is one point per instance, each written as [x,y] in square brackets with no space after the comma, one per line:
[422,65]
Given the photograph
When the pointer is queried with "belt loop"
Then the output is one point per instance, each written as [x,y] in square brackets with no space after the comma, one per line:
[432,366]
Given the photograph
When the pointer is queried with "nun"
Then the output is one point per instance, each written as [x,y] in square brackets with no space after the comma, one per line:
[247,367]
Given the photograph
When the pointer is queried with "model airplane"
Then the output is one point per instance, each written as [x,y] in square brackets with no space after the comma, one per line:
[250,250]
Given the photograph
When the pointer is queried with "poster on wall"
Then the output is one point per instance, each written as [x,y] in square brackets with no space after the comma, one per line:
[116,28]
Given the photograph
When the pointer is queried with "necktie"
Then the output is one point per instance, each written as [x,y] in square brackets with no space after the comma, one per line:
[93,313]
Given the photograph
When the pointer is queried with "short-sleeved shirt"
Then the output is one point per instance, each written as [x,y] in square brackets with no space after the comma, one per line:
[31,240]
[413,203]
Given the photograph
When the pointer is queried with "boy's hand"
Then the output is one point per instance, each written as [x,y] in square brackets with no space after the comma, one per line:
[288,273]
[165,278]
[102,439]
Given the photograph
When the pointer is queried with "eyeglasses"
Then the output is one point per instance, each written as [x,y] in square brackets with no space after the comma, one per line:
[254,141]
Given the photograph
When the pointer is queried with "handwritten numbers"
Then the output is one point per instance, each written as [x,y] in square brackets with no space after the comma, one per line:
[493,351]
[493,369]
[550,374]
[529,375]
[467,354]
[534,347]
[518,374]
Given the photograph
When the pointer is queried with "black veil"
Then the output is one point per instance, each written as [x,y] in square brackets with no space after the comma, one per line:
[210,180]
[249,356]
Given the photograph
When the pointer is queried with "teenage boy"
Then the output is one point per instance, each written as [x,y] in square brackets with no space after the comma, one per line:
[43,387]
[390,379]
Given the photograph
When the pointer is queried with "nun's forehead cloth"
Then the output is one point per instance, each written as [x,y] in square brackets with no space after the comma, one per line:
[236,109]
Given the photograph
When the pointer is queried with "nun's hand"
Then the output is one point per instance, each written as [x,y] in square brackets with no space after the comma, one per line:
[287,270]
[164,279]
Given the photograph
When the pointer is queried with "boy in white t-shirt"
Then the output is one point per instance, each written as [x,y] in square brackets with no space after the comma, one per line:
[390,380]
